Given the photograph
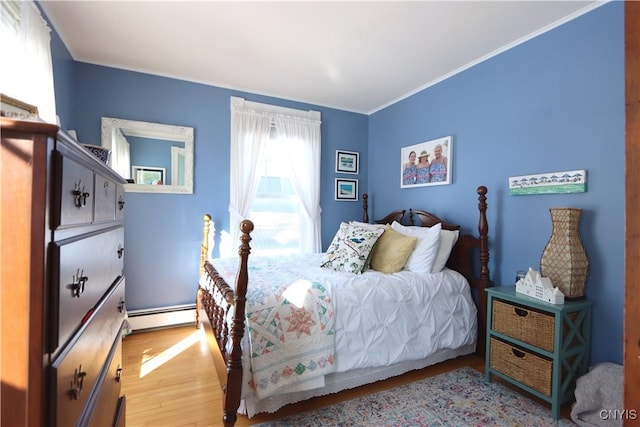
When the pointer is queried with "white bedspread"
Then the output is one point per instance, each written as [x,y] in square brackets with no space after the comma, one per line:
[380,319]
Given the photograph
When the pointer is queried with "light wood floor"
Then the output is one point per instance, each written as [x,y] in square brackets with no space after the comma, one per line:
[169,381]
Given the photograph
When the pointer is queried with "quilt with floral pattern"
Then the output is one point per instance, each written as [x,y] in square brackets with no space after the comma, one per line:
[290,325]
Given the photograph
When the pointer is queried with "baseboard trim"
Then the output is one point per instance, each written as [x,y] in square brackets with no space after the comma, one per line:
[163,317]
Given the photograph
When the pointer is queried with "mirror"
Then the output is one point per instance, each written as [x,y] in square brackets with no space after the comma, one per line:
[153,157]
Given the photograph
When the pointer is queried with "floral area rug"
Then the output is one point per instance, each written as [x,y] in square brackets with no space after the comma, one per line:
[456,398]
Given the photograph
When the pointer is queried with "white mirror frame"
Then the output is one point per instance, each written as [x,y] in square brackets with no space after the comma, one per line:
[157,131]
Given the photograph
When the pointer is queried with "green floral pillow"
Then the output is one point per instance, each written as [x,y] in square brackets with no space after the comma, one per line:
[351,247]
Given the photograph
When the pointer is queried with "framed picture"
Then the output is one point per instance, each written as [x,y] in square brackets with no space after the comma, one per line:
[16,109]
[148,175]
[549,183]
[347,161]
[427,163]
[347,189]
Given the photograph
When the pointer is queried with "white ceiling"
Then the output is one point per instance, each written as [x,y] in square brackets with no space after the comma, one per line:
[357,56]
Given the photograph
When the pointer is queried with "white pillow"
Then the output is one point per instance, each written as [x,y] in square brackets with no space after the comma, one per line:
[448,238]
[424,255]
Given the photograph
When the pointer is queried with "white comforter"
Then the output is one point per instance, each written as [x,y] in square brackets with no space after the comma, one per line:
[380,319]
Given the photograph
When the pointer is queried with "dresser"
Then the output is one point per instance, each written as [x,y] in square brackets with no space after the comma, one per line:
[540,347]
[63,284]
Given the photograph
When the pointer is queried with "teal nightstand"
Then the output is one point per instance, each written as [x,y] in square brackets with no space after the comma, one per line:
[540,347]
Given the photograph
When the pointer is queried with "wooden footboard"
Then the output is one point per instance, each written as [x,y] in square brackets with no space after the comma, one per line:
[217,302]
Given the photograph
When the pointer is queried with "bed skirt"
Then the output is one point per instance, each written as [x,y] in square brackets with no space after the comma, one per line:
[347,380]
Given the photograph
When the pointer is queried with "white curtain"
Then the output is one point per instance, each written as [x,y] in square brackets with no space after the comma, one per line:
[27,72]
[303,147]
[120,154]
[249,129]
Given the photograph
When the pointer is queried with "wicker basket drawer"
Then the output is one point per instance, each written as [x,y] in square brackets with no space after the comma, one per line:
[524,324]
[521,365]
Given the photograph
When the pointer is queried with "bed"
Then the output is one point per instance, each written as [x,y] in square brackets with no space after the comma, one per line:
[354,329]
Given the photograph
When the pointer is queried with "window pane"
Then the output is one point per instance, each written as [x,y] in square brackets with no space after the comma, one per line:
[275,209]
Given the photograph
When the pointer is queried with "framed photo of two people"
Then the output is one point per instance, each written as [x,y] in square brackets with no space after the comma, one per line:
[427,163]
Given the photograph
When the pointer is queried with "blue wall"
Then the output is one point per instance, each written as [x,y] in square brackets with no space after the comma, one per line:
[551,104]
[554,103]
[164,230]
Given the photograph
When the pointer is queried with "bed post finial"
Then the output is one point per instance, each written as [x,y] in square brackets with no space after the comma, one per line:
[365,207]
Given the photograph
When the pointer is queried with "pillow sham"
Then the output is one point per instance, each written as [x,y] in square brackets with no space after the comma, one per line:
[392,251]
[367,225]
[423,256]
[448,239]
[351,247]
[336,238]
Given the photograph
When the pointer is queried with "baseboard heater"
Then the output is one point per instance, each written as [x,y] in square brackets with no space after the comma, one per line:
[163,317]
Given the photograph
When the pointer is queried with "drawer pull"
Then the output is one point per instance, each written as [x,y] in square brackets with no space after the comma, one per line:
[121,306]
[80,196]
[79,280]
[520,312]
[121,204]
[517,353]
[120,251]
[76,384]
[118,374]
[107,186]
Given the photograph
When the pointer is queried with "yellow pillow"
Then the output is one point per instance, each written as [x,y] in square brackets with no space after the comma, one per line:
[392,251]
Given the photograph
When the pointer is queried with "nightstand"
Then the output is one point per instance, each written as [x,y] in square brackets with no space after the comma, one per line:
[537,346]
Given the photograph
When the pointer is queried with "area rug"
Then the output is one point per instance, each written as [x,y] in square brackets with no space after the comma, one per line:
[456,398]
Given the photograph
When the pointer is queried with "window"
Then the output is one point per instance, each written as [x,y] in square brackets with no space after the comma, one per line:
[28,76]
[275,178]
